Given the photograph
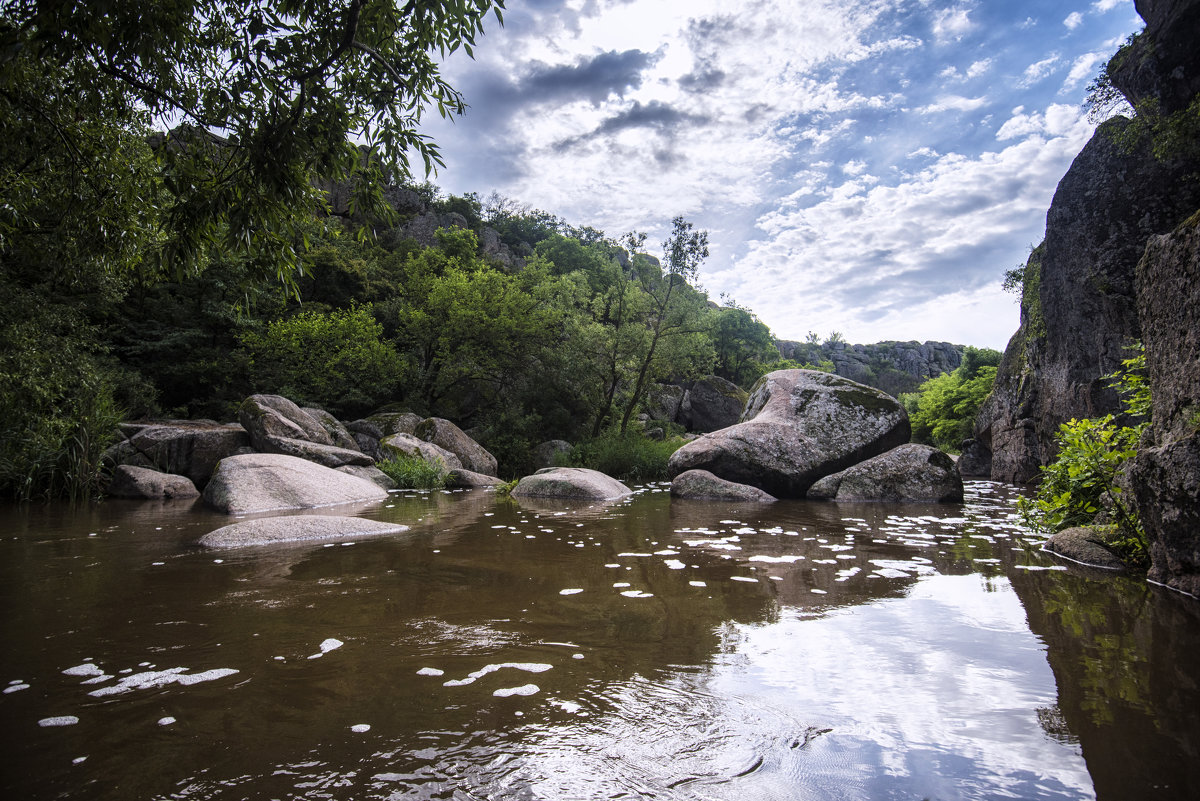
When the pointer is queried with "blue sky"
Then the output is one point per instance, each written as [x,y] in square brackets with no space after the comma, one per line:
[871,167]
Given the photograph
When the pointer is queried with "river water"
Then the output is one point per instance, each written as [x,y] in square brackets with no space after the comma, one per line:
[653,648]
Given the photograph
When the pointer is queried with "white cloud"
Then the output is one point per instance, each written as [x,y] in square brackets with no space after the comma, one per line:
[951,24]
[953,103]
[1073,20]
[1038,71]
[1083,69]
[979,68]
[1104,6]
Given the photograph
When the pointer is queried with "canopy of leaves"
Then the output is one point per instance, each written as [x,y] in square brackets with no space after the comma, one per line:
[943,410]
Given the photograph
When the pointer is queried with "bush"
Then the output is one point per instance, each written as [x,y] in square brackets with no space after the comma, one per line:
[942,411]
[413,472]
[1080,487]
[335,360]
[628,457]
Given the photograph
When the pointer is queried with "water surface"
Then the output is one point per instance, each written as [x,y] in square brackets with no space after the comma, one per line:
[647,649]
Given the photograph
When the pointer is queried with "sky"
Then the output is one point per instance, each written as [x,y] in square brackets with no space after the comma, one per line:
[870,167]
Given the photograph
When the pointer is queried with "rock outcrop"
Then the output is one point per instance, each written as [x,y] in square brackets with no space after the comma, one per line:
[571,483]
[410,445]
[1166,472]
[908,474]
[798,427]
[296,528]
[265,482]
[1082,545]
[893,367]
[703,485]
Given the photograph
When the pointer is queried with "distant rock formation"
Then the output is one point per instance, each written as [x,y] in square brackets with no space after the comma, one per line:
[893,367]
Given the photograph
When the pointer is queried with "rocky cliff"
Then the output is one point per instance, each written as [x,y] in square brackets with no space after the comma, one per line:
[893,367]
[1121,260]
[1079,305]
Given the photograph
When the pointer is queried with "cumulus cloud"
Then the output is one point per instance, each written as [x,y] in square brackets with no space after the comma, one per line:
[1039,70]
[1104,6]
[1084,69]
[951,24]
[1073,20]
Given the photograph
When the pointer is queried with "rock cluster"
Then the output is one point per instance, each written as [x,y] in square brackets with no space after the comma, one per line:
[800,427]
[706,404]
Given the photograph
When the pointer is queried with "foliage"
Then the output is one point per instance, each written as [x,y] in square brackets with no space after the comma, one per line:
[1082,482]
[626,456]
[285,82]
[744,346]
[57,402]
[336,360]
[413,472]
[942,411]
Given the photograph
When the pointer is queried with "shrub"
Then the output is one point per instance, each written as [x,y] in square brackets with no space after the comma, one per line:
[413,472]
[628,457]
[1080,486]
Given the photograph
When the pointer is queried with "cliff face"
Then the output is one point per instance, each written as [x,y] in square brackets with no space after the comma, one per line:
[1079,308]
[1078,311]
[1166,472]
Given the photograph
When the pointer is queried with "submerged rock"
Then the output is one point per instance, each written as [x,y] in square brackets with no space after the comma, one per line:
[1085,546]
[264,482]
[296,528]
[570,482]
[910,473]
[798,426]
[701,484]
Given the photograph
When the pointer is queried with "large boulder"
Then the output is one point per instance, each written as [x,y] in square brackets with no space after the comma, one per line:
[547,452]
[446,435]
[703,485]
[465,479]
[664,403]
[711,404]
[339,435]
[1166,472]
[129,481]
[384,424]
[571,483]
[265,482]
[296,528]
[975,461]
[370,473]
[274,416]
[189,448]
[907,474]
[798,427]
[409,445]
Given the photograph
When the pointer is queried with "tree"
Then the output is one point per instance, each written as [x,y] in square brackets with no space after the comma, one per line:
[673,307]
[943,409]
[743,343]
[265,95]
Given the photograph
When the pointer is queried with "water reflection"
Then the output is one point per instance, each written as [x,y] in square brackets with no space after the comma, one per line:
[648,648]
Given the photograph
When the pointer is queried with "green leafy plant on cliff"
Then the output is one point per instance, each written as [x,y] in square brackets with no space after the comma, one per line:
[1081,486]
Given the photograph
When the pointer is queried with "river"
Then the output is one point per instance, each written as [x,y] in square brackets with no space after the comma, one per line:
[653,648]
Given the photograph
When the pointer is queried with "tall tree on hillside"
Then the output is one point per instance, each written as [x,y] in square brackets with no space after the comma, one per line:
[673,310]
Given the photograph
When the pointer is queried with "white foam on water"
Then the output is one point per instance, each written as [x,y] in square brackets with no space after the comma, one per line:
[167,721]
[78,760]
[13,688]
[577,656]
[60,720]
[666,552]
[731,522]
[571,591]
[326,646]
[635,554]
[789,559]
[528,667]
[570,707]
[524,689]
[620,584]
[360,728]
[86,669]
[674,564]
[819,592]
[698,583]
[159,678]
[744,578]
[428,671]
[1040,567]
[637,594]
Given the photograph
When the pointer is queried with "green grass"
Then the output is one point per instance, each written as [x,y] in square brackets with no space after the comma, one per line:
[412,472]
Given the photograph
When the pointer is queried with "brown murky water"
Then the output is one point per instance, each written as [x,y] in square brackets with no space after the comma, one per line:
[649,649]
